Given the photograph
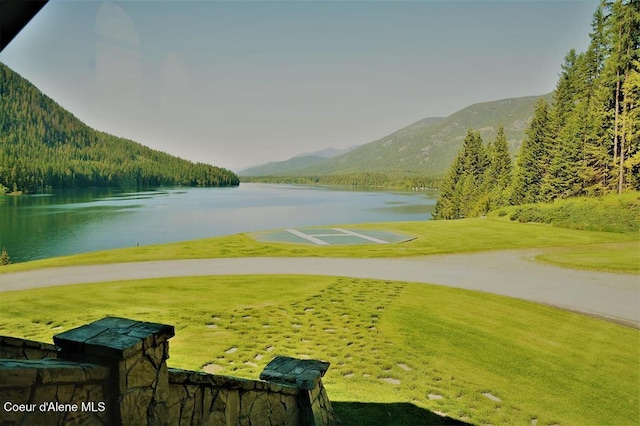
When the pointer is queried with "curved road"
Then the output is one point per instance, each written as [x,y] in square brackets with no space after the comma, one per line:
[510,273]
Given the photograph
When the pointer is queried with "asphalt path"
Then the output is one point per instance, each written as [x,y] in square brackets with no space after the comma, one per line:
[510,273]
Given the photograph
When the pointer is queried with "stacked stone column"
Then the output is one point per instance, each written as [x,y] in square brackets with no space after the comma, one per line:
[137,353]
[305,374]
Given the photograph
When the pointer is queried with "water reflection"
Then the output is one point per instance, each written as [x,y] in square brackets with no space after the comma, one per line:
[67,222]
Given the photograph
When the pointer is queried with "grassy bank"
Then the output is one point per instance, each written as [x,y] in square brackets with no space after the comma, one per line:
[390,344]
[611,213]
[620,257]
[431,237]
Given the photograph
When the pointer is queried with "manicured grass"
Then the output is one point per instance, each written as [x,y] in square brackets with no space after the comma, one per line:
[391,345]
[620,257]
[432,237]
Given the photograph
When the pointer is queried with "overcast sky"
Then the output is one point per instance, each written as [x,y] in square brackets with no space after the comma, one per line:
[239,83]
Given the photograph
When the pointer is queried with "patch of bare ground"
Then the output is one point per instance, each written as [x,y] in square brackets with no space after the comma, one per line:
[212,368]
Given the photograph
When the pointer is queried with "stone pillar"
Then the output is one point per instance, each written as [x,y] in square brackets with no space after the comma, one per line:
[313,403]
[137,352]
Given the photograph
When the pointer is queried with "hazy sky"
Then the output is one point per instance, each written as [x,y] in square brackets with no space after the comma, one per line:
[239,83]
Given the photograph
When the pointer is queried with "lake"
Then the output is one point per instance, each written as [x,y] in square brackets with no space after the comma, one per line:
[77,221]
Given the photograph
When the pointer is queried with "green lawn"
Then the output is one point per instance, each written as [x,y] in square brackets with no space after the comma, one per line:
[390,344]
[620,257]
[431,237]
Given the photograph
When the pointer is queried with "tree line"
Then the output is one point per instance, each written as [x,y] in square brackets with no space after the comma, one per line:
[585,143]
[364,180]
[43,146]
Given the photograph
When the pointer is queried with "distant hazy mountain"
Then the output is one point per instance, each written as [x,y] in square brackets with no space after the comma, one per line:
[329,152]
[426,147]
[291,165]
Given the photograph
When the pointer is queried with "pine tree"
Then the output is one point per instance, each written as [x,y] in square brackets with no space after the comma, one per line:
[500,170]
[563,177]
[593,166]
[631,126]
[475,162]
[4,257]
[532,160]
[569,129]
[495,181]
[566,90]
[447,204]
[624,33]
[461,187]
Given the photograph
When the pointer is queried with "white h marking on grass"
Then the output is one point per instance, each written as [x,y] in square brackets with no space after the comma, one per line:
[364,237]
[342,233]
[307,237]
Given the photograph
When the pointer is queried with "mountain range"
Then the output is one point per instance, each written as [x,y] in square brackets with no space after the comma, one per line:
[426,147]
[298,162]
[42,145]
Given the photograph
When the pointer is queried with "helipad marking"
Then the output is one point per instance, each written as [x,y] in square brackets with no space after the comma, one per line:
[307,237]
[330,236]
[364,237]
[341,233]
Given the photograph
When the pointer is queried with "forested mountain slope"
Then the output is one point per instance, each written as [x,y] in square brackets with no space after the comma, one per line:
[44,146]
[428,147]
[290,166]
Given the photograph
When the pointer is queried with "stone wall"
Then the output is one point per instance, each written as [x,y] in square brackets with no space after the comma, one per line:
[291,393]
[114,371]
[199,398]
[12,348]
[53,392]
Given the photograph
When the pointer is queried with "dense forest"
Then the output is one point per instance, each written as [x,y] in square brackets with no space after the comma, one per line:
[585,143]
[43,146]
[366,180]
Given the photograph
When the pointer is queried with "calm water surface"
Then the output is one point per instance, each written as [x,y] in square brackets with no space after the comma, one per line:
[68,222]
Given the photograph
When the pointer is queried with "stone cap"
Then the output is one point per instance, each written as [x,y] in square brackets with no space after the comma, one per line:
[113,337]
[303,373]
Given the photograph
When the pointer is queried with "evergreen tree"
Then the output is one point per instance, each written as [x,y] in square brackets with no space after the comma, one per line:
[5,259]
[570,129]
[596,164]
[475,163]
[591,139]
[624,33]
[448,202]
[566,90]
[563,179]
[500,171]
[461,187]
[495,181]
[631,127]
[532,160]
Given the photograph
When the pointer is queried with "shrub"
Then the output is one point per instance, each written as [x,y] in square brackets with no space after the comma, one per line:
[530,213]
[5,259]
[610,213]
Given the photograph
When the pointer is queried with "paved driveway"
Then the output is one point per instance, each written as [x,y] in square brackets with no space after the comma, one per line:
[509,273]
